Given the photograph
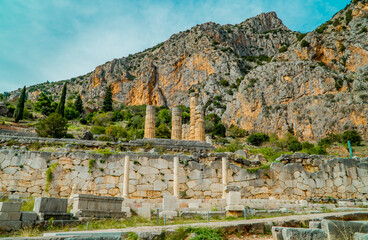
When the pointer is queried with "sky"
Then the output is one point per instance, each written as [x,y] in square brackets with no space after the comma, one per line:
[59,39]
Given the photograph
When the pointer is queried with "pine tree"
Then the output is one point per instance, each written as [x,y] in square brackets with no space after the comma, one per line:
[78,104]
[20,106]
[107,102]
[61,106]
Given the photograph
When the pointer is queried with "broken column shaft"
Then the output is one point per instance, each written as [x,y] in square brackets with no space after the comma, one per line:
[199,124]
[176,131]
[193,105]
[149,128]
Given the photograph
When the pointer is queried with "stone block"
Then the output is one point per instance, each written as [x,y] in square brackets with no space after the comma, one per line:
[239,208]
[277,233]
[231,188]
[240,153]
[144,212]
[52,205]
[341,230]
[9,216]
[7,226]
[85,205]
[193,205]
[10,206]
[169,204]
[127,211]
[233,198]
[315,224]
[360,236]
[303,233]
[28,216]
[168,214]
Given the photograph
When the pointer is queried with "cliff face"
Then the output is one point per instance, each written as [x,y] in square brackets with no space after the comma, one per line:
[257,74]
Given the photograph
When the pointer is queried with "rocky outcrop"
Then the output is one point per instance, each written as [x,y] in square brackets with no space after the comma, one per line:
[257,74]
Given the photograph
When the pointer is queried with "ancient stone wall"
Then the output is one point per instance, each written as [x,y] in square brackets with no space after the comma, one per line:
[151,176]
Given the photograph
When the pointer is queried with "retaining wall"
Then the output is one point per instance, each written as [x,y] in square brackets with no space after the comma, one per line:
[151,176]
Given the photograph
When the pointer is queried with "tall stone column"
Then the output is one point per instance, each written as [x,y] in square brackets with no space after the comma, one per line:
[176,177]
[149,128]
[126,177]
[199,124]
[193,105]
[176,130]
[224,176]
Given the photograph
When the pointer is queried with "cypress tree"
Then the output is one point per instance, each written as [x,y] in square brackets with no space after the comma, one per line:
[78,104]
[20,106]
[107,102]
[60,108]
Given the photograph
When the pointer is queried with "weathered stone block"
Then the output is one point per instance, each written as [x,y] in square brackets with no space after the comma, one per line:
[341,230]
[97,206]
[303,233]
[277,233]
[168,214]
[10,207]
[233,198]
[28,216]
[315,224]
[169,204]
[9,225]
[360,236]
[52,205]
[144,212]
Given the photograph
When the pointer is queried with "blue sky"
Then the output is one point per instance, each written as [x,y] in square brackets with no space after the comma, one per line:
[59,39]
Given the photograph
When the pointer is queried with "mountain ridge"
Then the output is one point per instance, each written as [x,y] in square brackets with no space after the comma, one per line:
[270,78]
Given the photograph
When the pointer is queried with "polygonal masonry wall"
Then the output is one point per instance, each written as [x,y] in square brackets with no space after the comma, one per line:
[151,176]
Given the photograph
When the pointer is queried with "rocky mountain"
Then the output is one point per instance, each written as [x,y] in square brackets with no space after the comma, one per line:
[257,74]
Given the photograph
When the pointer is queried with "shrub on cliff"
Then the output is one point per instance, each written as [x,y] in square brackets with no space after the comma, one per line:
[258,138]
[353,136]
[53,126]
[295,146]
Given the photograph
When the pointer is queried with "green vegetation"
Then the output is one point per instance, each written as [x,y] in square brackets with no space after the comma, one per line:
[107,102]
[78,104]
[257,138]
[45,104]
[52,126]
[301,36]
[20,106]
[224,83]
[61,106]
[49,171]
[91,164]
[353,136]
[294,145]
[323,27]
[163,131]
[350,135]
[232,147]
[116,132]
[283,49]
[348,16]
[27,204]
[263,166]
[304,44]
[270,154]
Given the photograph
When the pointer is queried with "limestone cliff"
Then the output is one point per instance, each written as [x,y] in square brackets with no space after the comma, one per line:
[257,74]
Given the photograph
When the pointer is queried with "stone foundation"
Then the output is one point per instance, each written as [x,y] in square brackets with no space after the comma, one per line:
[199,177]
